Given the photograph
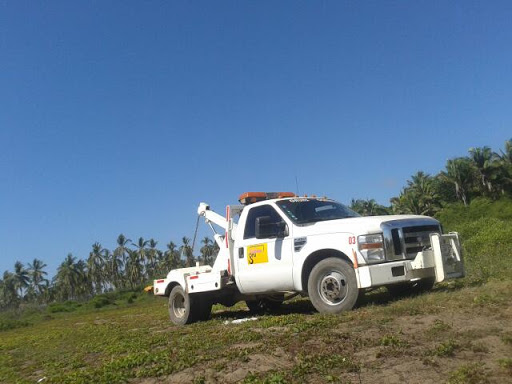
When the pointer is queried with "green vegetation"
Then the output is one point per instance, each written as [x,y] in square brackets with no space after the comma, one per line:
[465,339]
[462,328]
[472,196]
[473,373]
[446,348]
[483,173]
[486,229]
[129,266]
[99,327]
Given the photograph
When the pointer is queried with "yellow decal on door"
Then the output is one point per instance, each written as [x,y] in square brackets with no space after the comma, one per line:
[257,254]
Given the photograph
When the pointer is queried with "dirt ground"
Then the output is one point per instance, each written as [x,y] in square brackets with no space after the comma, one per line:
[456,346]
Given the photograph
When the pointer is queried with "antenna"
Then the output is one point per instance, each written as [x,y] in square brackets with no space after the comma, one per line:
[297,185]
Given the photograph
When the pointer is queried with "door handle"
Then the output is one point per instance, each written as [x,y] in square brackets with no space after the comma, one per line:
[241,253]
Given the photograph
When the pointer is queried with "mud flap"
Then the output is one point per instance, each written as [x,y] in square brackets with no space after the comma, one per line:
[447,256]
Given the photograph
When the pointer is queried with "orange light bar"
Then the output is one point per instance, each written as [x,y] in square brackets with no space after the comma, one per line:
[253,197]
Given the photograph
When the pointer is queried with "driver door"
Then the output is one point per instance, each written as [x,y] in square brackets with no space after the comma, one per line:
[266,263]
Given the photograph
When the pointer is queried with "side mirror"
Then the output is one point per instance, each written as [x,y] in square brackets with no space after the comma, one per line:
[266,228]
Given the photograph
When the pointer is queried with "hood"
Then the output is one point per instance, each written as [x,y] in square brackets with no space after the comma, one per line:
[363,225]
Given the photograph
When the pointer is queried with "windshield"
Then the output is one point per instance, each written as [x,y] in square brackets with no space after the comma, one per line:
[305,210]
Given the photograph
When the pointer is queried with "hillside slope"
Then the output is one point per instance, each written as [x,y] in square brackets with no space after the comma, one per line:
[453,334]
[461,332]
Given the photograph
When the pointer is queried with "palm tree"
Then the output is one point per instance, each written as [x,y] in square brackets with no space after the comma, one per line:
[215,249]
[398,205]
[186,250]
[108,275]
[21,278]
[368,207]
[460,173]
[119,258]
[171,257]
[207,250]
[423,195]
[84,285]
[68,278]
[357,205]
[2,287]
[142,252]
[485,162]
[96,267]
[133,269]
[152,256]
[38,281]
[506,168]
[506,155]
[406,202]
[8,295]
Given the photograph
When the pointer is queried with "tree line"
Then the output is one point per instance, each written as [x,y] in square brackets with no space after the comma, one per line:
[130,265]
[483,173]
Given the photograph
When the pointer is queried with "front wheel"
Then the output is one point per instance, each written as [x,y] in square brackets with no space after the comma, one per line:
[332,286]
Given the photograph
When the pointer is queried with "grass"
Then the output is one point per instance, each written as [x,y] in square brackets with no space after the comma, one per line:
[472,373]
[123,342]
[461,332]
[486,230]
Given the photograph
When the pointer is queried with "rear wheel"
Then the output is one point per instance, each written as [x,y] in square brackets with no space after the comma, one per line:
[205,309]
[186,309]
[332,286]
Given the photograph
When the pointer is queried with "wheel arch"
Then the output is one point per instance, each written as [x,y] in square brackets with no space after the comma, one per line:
[169,287]
[314,258]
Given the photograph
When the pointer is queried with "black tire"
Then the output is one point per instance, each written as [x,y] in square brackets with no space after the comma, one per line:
[205,309]
[332,286]
[265,304]
[187,309]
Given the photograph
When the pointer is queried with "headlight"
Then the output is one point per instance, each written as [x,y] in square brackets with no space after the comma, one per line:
[372,248]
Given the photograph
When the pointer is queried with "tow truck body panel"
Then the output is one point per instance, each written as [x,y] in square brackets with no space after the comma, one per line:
[382,250]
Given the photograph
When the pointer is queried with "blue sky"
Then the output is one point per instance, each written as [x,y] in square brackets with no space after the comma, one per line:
[121,116]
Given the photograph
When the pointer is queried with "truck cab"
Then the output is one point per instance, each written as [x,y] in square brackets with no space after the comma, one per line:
[279,243]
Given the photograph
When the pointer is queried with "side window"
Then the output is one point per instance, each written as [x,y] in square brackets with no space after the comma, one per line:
[254,213]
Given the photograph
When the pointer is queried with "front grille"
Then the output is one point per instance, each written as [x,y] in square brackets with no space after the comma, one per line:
[417,239]
[405,238]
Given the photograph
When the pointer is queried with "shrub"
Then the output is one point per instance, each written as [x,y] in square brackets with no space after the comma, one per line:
[455,215]
[487,244]
[473,373]
[6,324]
[67,306]
[485,228]
[100,301]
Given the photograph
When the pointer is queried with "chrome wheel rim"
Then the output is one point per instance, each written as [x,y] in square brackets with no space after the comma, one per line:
[333,288]
[178,306]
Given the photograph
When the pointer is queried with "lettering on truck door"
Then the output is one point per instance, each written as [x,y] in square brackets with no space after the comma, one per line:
[264,264]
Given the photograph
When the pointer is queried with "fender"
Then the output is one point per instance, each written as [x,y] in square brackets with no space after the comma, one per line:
[319,246]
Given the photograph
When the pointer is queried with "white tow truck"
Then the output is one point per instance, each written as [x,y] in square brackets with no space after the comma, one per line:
[274,244]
